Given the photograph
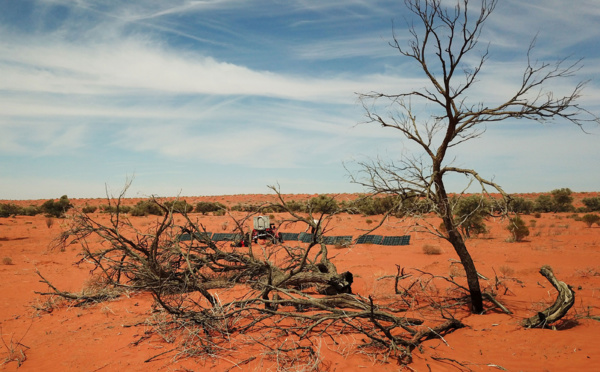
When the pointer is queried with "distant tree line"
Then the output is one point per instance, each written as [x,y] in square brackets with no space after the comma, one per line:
[471,209]
[50,208]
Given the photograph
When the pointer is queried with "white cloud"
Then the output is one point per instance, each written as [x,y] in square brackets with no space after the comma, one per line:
[138,81]
[133,66]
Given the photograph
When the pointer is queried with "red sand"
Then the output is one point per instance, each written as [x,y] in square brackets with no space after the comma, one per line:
[101,337]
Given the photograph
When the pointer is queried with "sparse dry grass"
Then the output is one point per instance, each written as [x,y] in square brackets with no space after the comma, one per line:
[588,272]
[433,250]
[457,271]
[15,349]
[506,271]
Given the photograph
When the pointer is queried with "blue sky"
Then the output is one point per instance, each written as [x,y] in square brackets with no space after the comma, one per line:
[217,97]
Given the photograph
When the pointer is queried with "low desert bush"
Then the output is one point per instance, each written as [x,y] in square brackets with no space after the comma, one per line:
[472,211]
[9,209]
[521,205]
[122,209]
[179,206]
[590,219]
[7,261]
[145,208]
[371,206]
[220,212]
[206,207]
[592,204]
[431,250]
[323,204]
[518,229]
[31,210]
[89,209]
[57,208]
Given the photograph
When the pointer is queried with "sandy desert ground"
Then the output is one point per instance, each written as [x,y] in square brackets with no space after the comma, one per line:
[110,336]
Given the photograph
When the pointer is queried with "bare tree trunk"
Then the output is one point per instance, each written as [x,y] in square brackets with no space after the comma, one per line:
[457,241]
[472,279]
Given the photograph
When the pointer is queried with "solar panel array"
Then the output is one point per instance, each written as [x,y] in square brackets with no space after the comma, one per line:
[346,239]
[383,240]
[286,237]
[198,236]
[305,237]
[333,240]
[396,240]
[369,239]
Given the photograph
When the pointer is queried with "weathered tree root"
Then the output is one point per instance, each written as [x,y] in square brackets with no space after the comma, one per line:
[564,301]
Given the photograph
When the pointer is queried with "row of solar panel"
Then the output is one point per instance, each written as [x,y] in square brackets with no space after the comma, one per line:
[346,239]
[216,237]
[307,238]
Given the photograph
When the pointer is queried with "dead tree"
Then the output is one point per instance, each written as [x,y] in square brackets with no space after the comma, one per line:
[441,40]
[282,291]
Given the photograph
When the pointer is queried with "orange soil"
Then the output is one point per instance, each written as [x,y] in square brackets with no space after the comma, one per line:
[104,337]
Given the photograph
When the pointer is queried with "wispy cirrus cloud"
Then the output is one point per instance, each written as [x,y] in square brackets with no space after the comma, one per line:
[243,89]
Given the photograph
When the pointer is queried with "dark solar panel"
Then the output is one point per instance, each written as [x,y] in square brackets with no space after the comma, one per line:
[225,237]
[396,240]
[344,239]
[329,240]
[289,236]
[198,236]
[305,237]
[369,239]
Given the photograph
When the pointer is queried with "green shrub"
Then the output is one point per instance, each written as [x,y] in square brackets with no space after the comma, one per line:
[179,206]
[296,206]
[9,209]
[105,208]
[374,205]
[518,229]
[563,200]
[543,203]
[323,204]
[57,208]
[206,207]
[145,208]
[89,209]
[591,204]
[521,205]
[470,213]
[220,212]
[31,210]
[590,219]
[241,207]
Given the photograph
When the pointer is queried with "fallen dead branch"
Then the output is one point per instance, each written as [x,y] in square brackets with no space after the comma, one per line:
[564,300]
[213,295]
